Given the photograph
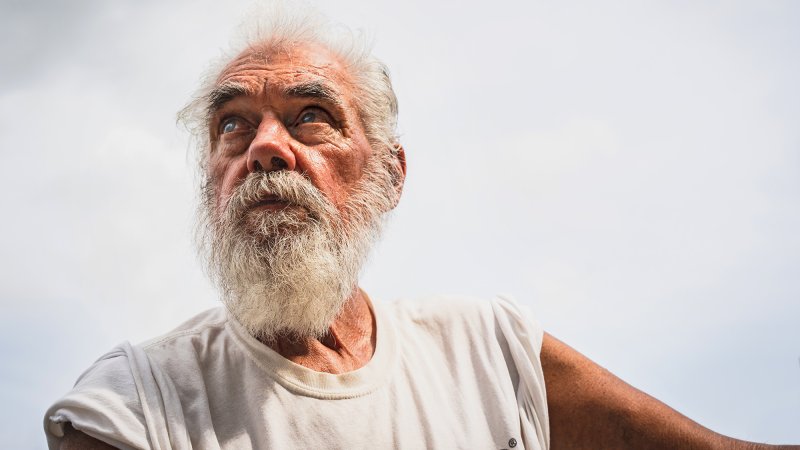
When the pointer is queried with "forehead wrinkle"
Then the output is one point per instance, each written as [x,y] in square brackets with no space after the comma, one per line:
[285,73]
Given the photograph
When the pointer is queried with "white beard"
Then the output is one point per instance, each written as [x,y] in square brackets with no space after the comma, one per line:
[291,272]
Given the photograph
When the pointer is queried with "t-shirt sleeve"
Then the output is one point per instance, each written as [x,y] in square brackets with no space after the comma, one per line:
[524,336]
[124,399]
[103,404]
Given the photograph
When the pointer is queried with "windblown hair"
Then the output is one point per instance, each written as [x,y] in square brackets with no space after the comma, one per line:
[280,26]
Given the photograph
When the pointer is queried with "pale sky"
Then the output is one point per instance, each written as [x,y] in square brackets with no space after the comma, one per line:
[630,170]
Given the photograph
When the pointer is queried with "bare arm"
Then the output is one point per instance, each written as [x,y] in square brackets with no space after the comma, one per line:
[591,408]
[77,440]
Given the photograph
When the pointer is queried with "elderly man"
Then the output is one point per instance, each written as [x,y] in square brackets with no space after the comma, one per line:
[298,146]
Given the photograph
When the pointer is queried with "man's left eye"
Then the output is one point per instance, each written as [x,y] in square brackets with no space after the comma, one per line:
[313,115]
[308,116]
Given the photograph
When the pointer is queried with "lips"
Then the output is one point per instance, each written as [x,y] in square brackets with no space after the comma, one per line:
[270,202]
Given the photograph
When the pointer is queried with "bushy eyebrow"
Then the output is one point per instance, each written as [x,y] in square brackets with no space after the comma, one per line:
[314,90]
[222,94]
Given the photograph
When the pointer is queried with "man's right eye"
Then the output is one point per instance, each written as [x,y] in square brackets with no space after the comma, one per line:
[229,125]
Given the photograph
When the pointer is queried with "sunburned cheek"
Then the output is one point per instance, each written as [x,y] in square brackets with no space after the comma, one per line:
[349,168]
[330,173]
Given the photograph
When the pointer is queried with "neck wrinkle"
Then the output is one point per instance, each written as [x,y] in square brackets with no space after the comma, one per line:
[353,331]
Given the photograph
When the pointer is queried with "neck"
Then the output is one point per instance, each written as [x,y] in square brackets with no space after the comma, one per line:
[348,345]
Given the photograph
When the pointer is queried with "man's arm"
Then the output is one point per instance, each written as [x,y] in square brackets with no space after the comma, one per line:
[591,408]
[77,440]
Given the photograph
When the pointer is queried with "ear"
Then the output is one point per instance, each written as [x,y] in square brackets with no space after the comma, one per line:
[398,171]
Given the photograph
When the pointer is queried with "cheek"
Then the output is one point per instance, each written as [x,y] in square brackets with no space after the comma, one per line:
[347,169]
[350,169]
[223,178]
[332,169]
[356,159]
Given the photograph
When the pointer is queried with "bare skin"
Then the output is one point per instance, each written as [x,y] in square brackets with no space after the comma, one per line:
[76,440]
[348,346]
[591,408]
[267,127]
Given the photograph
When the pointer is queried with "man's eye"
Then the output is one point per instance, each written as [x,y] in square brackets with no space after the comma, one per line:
[313,115]
[229,125]
[308,116]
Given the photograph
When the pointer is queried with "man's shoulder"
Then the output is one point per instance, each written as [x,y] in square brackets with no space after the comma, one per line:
[438,307]
[451,312]
[203,325]
[121,366]
[448,306]
[131,387]
[115,364]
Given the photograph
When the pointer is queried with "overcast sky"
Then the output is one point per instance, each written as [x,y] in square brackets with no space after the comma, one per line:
[630,170]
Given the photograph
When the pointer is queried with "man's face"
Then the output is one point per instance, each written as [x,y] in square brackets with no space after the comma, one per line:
[295,194]
[286,110]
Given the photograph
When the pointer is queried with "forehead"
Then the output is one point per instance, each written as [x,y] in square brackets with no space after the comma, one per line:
[262,68]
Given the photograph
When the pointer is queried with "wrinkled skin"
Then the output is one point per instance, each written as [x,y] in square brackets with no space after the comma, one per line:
[322,139]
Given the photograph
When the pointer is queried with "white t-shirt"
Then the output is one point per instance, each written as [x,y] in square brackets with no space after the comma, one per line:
[446,373]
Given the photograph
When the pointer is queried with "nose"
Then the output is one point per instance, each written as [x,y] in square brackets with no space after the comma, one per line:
[270,150]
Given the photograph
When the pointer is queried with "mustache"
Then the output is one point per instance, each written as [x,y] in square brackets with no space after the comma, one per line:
[281,185]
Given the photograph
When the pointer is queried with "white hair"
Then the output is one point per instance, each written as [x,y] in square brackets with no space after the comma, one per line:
[290,272]
[279,26]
